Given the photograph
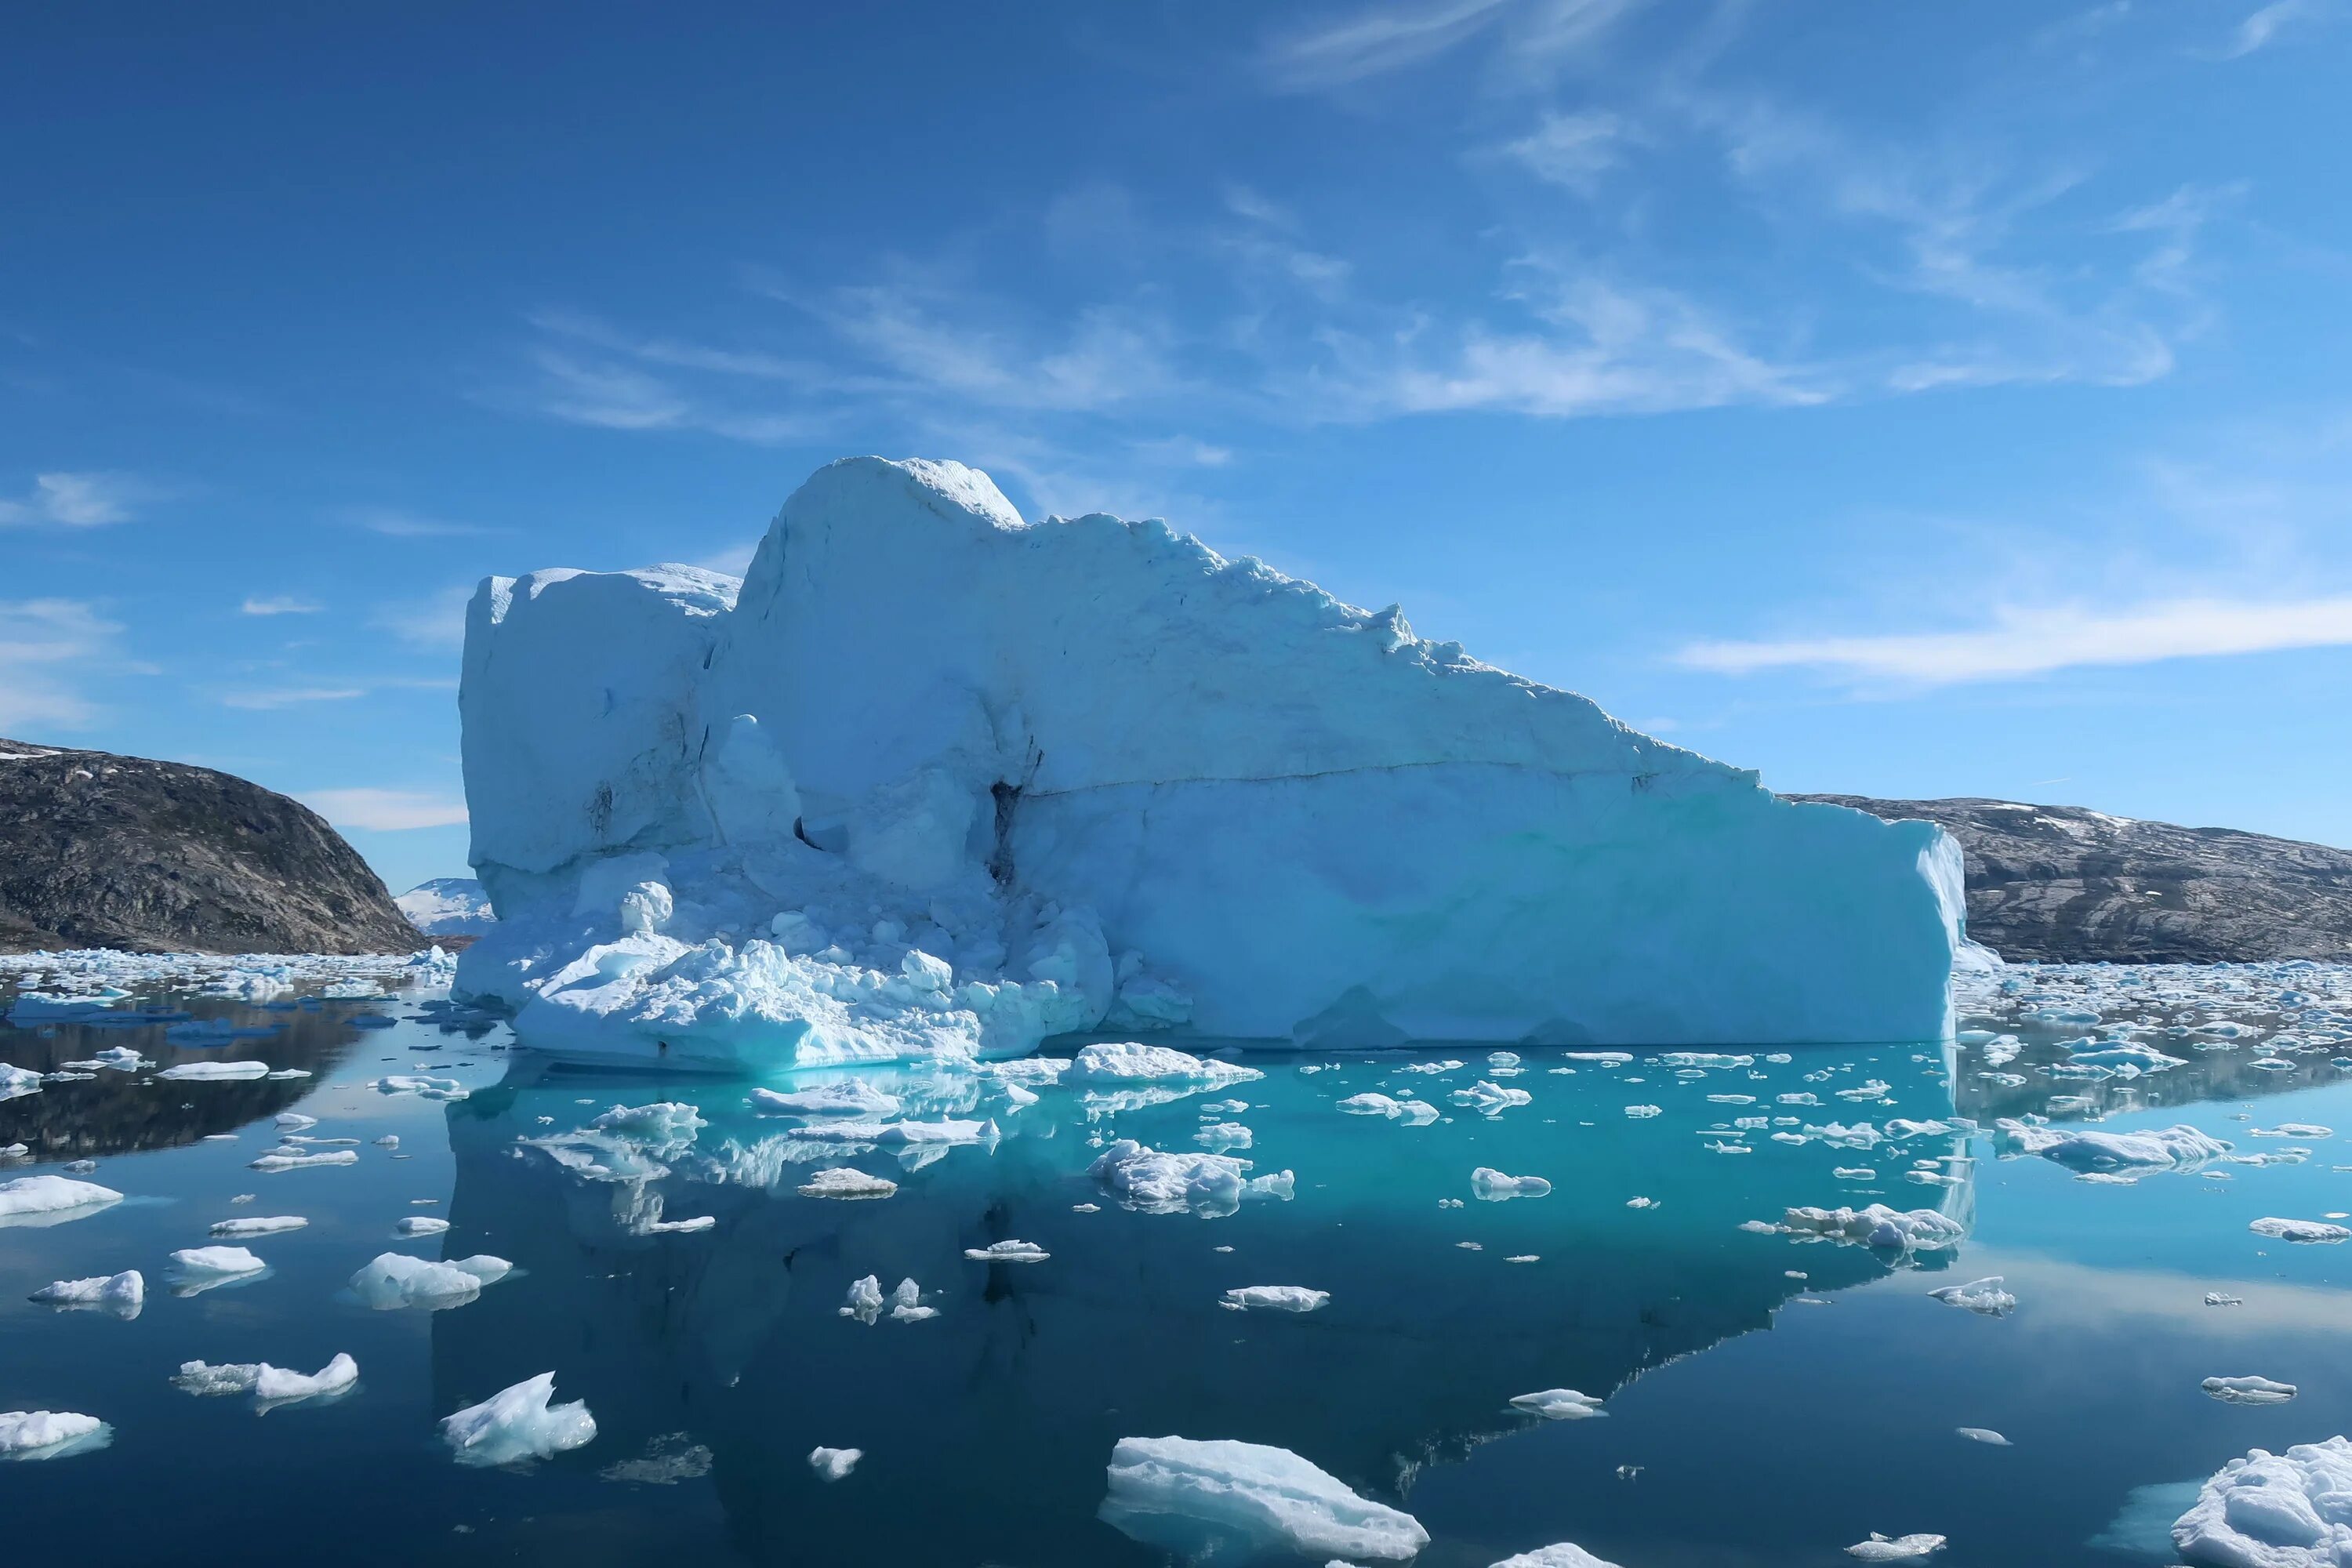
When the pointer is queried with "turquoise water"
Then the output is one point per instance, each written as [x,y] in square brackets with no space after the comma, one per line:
[1754,1416]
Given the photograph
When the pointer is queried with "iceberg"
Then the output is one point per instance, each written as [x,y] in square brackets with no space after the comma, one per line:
[1275,1299]
[49,1434]
[931,780]
[833,1464]
[269,1385]
[1195,1496]
[51,1200]
[1561,1554]
[2273,1510]
[395,1279]
[517,1424]
[1559,1404]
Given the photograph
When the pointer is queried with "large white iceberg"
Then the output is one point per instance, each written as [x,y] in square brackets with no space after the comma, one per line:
[934,781]
[518,1423]
[2274,1510]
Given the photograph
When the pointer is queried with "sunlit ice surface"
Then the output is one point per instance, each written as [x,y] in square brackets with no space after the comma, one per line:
[1756,1386]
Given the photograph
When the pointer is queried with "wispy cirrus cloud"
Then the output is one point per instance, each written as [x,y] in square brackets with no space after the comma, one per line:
[2021,643]
[279,605]
[77,500]
[1346,49]
[385,810]
[393,522]
[2259,26]
[436,622]
[268,698]
[47,647]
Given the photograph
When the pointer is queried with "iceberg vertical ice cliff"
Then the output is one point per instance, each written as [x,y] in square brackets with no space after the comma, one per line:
[932,780]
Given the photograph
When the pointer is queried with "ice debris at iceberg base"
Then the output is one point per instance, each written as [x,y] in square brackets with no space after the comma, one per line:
[517,1424]
[833,1464]
[51,1200]
[49,1434]
[1877,1227]
[2273,1510]
[1204,1496]
[1895,1548]
[1559,1404]
[395,1279]
[933,781]
[121,1294]
[1274,1299]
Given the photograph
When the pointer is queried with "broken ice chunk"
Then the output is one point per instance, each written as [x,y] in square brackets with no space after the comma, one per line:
[834,1463]
[1561,1554]
[1491,1185]
[841,1182]
[51,1200]
[1008,1252]
[49,1434]
[2248,1390]
[258,1225]
[420,1225]
[2273,1510]
[2310,1230]
[1983,1434]
[1984,1296]
[298,1159]
[1206,1498]
[1877,1227]
[199,1261]
[1275,1299]
[864,1299]
[1490,1099]
[121,1294]
[1895,1548]
[395,1279]
[1559,1404]
[518,1423]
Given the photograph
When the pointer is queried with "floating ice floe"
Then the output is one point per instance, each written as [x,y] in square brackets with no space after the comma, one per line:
[395,1279]
[670,1125]
[2080,1149]
[420,1084]
[1559,1404]
[1490,1099]
[269,1385]
[214,1072]
[2311,1230]
[2273,1510]
[1127,1062]
[1008,1252]
[1274,1299]
[51,1200]
[2291,1130]
[419,1225]
[516,1423]
[17,1082]
[1877,1227]
[1157,1181]
[2248,1390]
[853,1098]
[303,1160]
[1201,1497]
[1983,1434]
[1984,1296]
[114,1059]
[121,1294]
[1490,1186]
[295,1121]
[257,1224]
[1895,1548]
[1412,1113]
[1559,1554]
[841,1182]
[49,1434]
[217,1262]
[833,1464]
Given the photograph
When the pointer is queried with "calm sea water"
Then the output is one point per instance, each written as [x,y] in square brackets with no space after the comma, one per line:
[1769,1401]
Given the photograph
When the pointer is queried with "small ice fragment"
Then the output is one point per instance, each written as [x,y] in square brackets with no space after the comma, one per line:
[834,1463]
[121,1294]
[1559,1404]
[51,1200]
[1984,1434]
[1008,1252]
[2224,1299]
[1490,1099]
[389,1141]
[1493,1186]
[2248,1390]
[295,1160]
[1895,1549]
[394,1280]
[1641,1203]
[48,1434]
[1275,1299]
[420,1225]
[2299,1230]
[853,1098]
[518,1423]
[210,1071]
[1523,1257]
[1642,1113]
[216,1260]
[864,1301]
[1984,1296]
[259,1225]
[841,1182]
[295,1121]
[1563,1554]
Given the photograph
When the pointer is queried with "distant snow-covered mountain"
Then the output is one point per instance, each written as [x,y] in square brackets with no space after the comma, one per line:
[448,906]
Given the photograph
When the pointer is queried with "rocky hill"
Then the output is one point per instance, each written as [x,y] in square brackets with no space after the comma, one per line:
[98,850]
[2059,884]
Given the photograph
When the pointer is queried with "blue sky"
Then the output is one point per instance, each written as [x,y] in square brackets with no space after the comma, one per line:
[1907,398]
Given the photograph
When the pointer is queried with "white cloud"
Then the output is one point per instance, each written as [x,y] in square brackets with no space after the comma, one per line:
[281,605]
[45,646]
[385,810]
[436,622]
[2021,643]
[1381,39]
[264,700]
[75,501]
[2261,26]
[394,523]
[734,560]
[1571,150]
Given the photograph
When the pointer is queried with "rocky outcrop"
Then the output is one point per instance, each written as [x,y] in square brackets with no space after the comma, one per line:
[2061,884]
[100,850]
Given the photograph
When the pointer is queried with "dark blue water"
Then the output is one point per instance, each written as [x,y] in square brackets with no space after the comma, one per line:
[1753,1417]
